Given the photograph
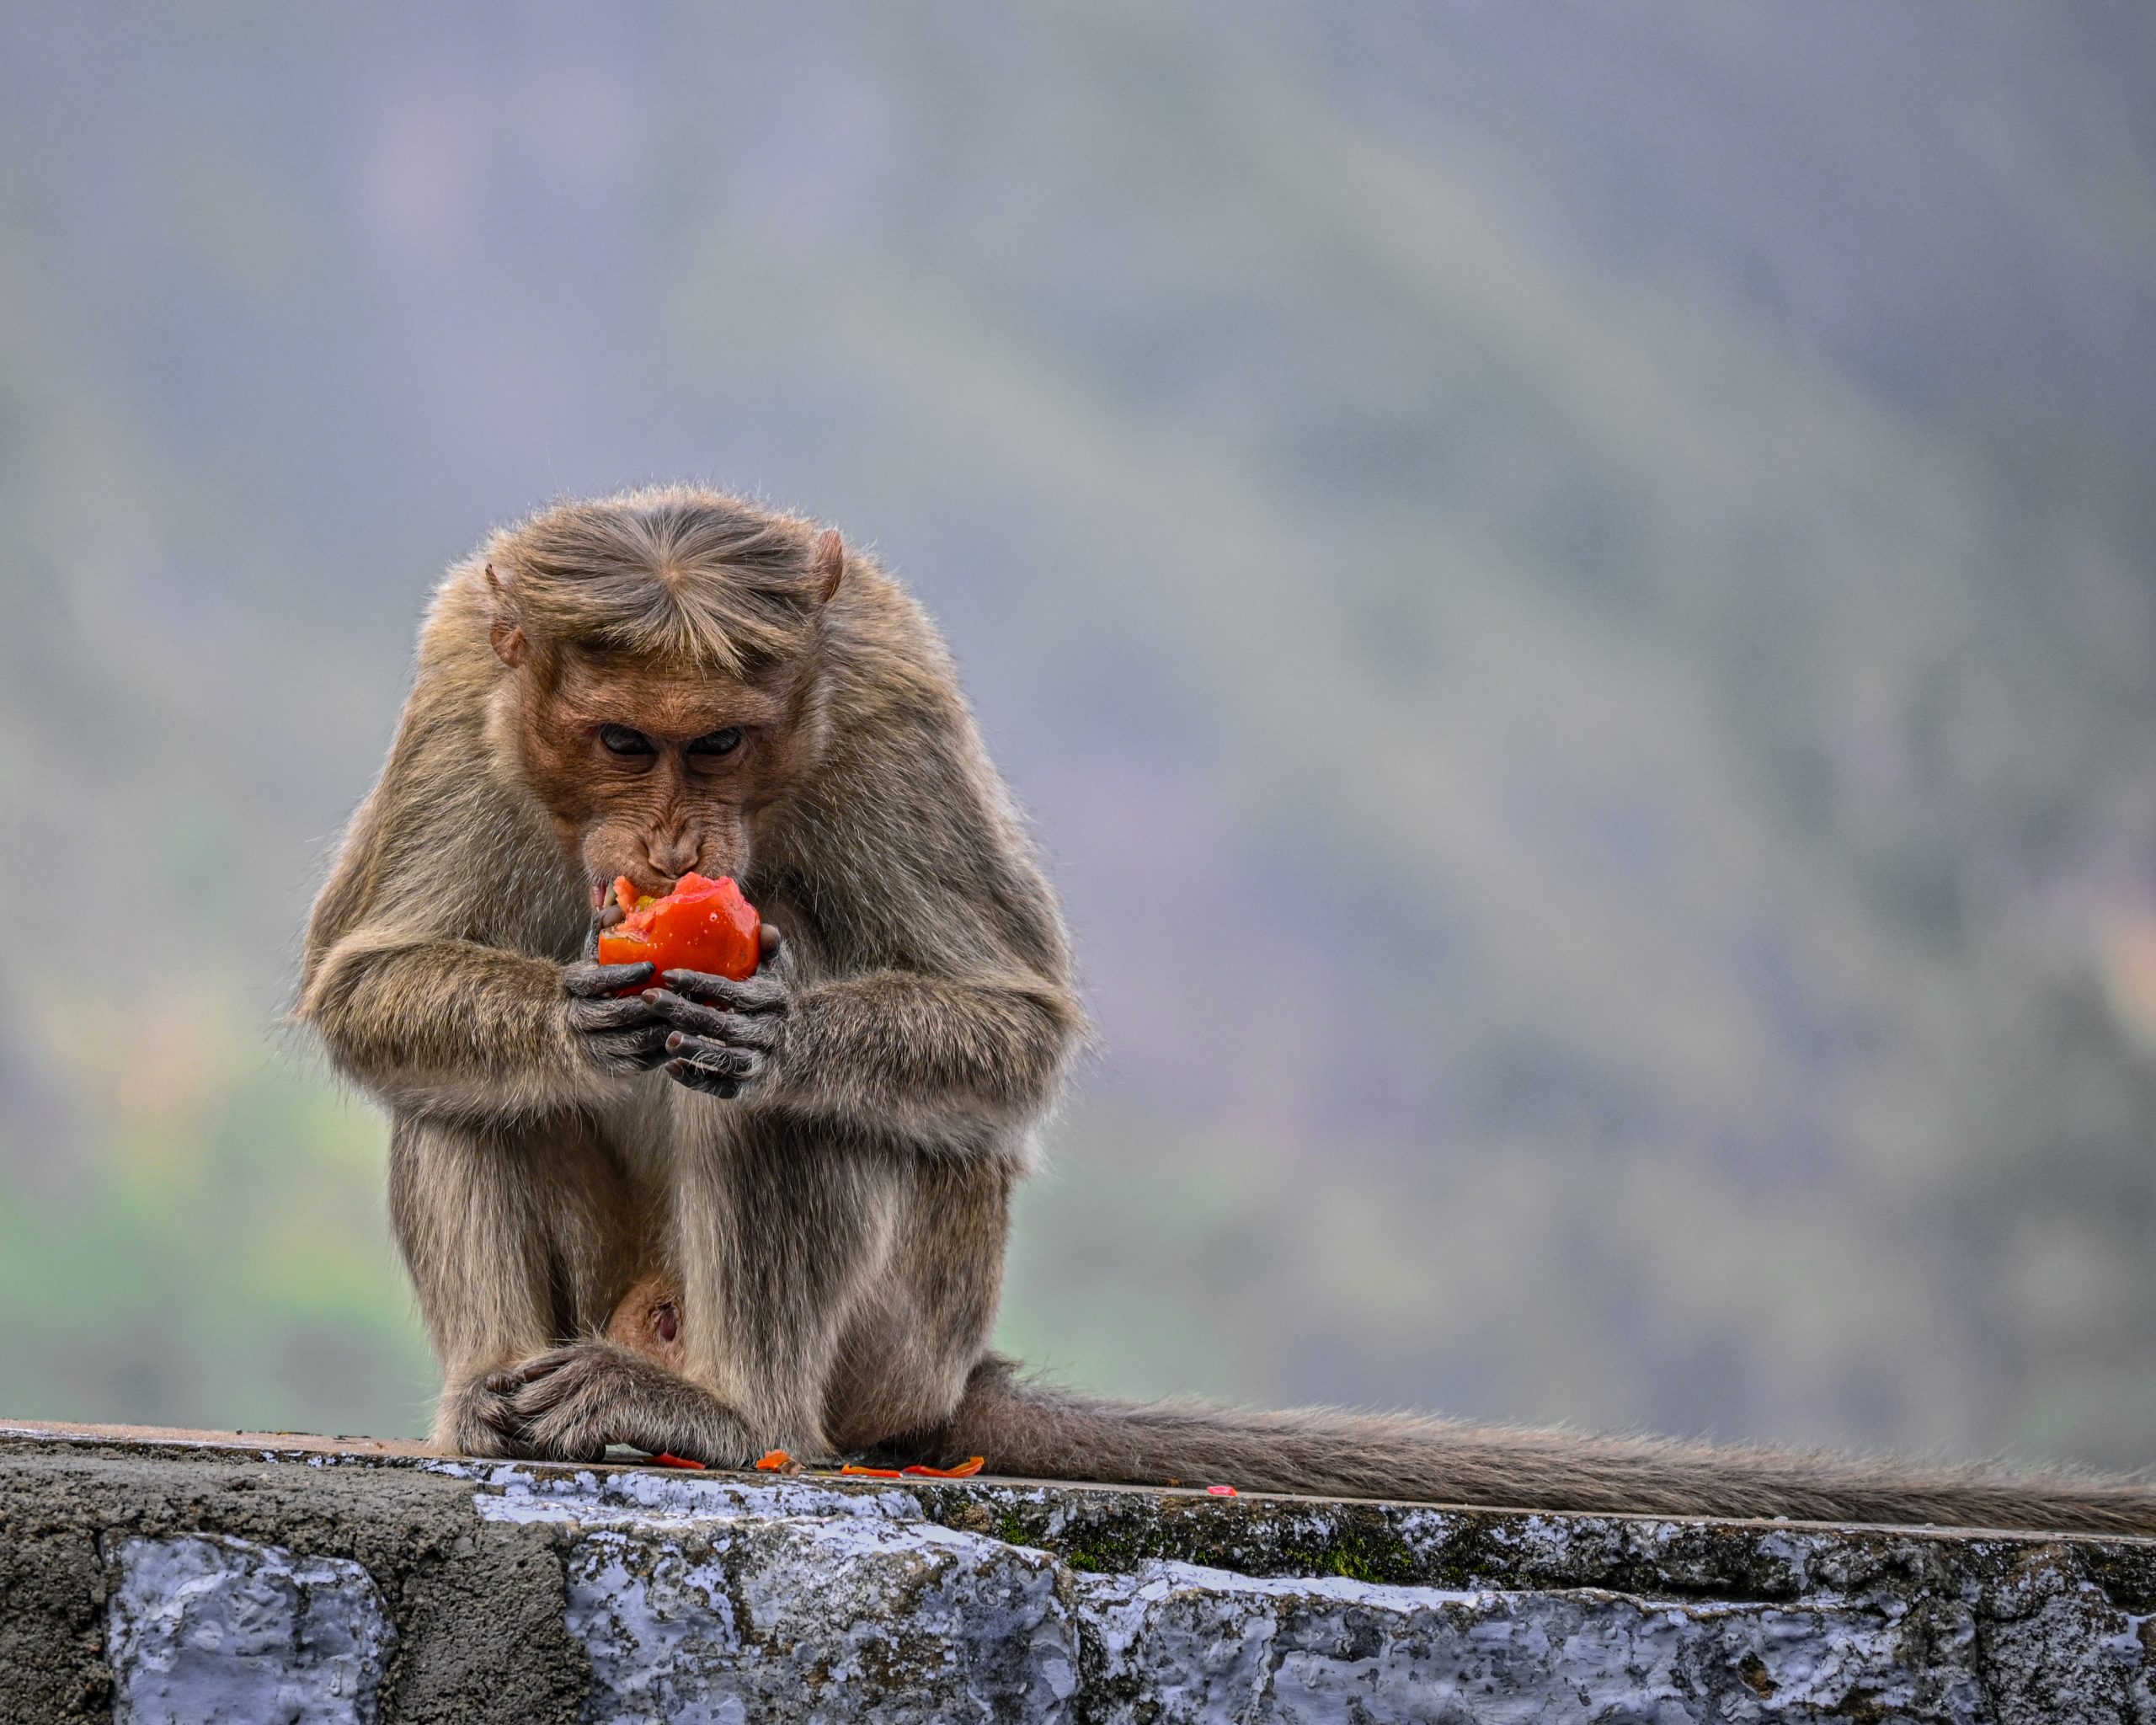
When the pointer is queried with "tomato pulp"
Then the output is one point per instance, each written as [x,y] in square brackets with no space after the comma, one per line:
[702,925]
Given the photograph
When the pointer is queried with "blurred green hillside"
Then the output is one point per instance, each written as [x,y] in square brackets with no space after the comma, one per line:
[1572,591]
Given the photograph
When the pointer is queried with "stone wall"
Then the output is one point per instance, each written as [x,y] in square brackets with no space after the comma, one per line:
[171,1577]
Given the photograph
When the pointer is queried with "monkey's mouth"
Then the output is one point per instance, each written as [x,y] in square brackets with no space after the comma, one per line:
[605,894]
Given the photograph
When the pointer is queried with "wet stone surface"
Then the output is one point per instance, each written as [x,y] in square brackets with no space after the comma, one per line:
[169,1579]
[204,1628]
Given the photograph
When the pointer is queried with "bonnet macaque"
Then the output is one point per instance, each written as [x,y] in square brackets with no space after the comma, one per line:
[713,1217]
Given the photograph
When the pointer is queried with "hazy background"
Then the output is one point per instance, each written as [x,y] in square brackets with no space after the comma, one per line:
[1572,589]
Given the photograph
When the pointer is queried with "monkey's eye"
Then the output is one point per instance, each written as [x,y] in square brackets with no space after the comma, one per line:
[724,742]
[620,739]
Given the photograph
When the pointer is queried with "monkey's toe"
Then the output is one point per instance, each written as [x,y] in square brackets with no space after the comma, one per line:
[483,1420]
[527,1372]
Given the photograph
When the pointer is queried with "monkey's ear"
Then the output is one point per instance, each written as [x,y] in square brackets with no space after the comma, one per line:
[829,560]
[508,638]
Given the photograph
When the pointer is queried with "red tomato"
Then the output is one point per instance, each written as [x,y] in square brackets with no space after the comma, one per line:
[702,925]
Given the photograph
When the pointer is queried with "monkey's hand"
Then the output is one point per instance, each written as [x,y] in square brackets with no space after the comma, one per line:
[724,1035]
[618,1035]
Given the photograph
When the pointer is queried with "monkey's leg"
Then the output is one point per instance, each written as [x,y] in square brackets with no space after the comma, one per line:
[776,1235]
[914,1338]
[829,1296]
[908,1351]
[515,1240]
[780,1237]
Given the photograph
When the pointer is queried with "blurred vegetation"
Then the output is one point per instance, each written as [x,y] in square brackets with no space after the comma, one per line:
[1572,591]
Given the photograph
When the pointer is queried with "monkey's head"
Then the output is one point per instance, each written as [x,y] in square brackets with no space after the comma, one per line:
[660,652]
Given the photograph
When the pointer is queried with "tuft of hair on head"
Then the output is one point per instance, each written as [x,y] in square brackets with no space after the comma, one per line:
[673,575]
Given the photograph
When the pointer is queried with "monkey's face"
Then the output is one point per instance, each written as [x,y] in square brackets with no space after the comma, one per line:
[650,774]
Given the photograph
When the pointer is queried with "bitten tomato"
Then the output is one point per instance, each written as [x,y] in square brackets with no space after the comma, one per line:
[702,925]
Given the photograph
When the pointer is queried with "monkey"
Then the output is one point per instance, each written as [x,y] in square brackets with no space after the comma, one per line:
[823,1154]
[714,1218]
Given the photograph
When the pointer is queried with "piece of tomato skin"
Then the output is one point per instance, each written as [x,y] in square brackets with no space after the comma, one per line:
[965,1470]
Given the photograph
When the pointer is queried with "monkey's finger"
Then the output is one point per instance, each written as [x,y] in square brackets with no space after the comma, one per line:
[714,1057]
[588,981]
[736,1029]
[696,1078]
[687,1015]
[540,1365]
[759,994]
[776,963]
[495,1410]
[712,1067]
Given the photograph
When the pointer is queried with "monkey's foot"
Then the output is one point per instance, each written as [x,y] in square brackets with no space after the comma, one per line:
[568,1405]
[481,1420]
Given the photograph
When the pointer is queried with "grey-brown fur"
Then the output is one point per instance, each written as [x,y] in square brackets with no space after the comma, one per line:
[1030,1427]
[815,1166]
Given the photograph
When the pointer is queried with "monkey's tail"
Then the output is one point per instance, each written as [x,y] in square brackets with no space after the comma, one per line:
[1027,1428]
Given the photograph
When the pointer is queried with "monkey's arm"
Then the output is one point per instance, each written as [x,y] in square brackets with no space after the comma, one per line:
[433,970]
[931,1056]
[455,1029]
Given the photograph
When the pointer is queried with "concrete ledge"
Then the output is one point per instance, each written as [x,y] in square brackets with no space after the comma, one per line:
[157,1576]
